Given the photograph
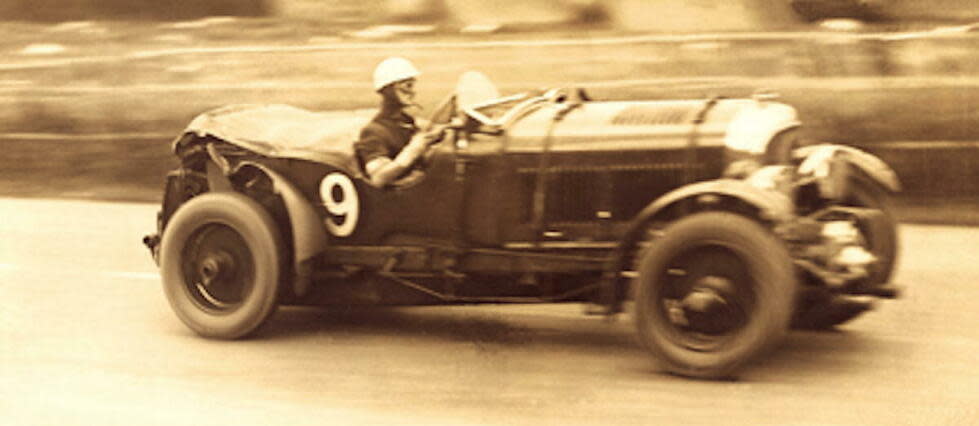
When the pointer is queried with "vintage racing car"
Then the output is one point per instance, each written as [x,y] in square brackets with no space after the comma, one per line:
[712,220]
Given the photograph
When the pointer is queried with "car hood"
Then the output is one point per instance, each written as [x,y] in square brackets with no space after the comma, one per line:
[603,126]
[285,131]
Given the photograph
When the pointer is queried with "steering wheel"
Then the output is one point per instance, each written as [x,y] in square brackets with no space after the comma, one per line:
[443,113]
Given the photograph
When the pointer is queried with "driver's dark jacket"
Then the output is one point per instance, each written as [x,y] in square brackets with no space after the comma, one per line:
[385,136]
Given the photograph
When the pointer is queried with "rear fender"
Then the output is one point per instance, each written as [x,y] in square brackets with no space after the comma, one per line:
[308,234]
[818,159]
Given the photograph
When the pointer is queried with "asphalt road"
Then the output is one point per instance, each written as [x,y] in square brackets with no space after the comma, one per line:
[88,338]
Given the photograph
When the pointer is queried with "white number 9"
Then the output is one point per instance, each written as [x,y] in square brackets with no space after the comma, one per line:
[340,198]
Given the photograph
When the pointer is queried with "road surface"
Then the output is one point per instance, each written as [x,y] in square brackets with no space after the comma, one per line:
[87,337]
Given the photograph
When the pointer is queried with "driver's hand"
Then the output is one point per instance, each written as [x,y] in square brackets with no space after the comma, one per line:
[435,134]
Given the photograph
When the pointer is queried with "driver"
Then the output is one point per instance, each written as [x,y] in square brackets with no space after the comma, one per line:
[391,144]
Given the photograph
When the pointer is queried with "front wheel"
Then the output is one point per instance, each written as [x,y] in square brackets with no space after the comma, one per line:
[882,241]
[220,261]
[713,292]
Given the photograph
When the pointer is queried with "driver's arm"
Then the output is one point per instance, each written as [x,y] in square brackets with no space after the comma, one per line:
[383,171]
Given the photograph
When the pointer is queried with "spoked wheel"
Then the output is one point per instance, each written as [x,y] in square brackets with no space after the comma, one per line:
[713,292]
[221,264]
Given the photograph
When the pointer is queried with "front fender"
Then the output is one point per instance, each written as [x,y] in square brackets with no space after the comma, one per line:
[817,159]
[771,206]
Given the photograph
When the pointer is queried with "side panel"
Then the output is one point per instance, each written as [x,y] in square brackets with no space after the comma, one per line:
[351,211]
[582,178]
[426,211]
[490,191]
[591,195]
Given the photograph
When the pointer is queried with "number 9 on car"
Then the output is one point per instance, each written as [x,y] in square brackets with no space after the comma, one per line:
[339,196]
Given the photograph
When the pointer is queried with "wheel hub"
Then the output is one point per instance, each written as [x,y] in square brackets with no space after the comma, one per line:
[218,267]
[708,307]
[708,293]
[703,301]
[215,266]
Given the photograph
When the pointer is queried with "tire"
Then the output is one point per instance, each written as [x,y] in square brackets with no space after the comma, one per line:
[717,256]
[823,311]
[221,262]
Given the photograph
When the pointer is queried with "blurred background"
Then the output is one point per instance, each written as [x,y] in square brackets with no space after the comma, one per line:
[92,91]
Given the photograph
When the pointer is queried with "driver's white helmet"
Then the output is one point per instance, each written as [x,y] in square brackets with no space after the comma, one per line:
[393,69]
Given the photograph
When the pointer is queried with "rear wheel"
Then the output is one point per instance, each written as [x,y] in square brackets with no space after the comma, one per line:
[220,261]
[713,292]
